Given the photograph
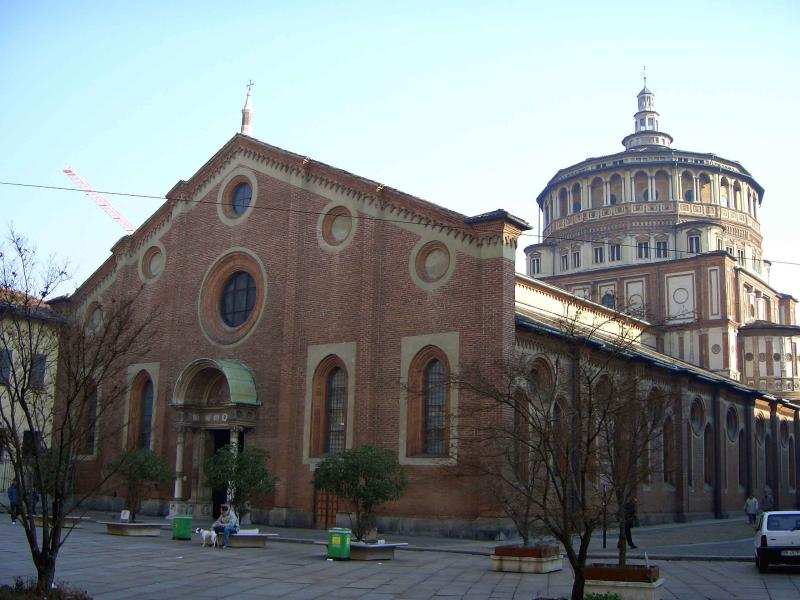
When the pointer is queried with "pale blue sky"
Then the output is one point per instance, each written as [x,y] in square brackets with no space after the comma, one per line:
[473,105]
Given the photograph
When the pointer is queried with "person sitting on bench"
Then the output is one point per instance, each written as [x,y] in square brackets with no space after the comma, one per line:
[227,524]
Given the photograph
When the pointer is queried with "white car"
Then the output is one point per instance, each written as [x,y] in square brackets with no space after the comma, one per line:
[777,539]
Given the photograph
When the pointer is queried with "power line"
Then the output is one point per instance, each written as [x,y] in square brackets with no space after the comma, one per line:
[674,251]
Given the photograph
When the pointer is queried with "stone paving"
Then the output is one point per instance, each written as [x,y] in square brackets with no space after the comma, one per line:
[110,567]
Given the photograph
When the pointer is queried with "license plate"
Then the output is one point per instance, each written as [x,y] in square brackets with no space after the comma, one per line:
[790,553]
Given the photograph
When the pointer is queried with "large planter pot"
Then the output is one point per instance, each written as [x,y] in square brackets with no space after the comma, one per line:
[632,582]
[518,559]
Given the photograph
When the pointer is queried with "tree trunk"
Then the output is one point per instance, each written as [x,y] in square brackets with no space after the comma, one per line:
[577,585]
[45,573]
[622,543]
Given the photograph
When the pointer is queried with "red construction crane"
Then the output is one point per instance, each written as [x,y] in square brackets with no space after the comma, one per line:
[99,199]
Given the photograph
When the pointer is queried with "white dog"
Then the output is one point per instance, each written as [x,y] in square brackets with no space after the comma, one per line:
[209,536]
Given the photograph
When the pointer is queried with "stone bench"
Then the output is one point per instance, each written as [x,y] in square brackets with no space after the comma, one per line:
[249,538]
[364,551]
[132,529]
[68,523]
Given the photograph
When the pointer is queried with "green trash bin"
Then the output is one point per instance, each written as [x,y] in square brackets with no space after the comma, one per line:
[182,528]
[339,543]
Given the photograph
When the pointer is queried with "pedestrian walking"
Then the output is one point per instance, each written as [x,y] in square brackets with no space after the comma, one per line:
[751,508]
[630,520]
[767,504]
[13,501]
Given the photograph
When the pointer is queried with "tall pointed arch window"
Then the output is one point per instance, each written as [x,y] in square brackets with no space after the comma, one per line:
[434,394]
[429,404]
[329,403]
[668,451]
[335,402]
[146,414]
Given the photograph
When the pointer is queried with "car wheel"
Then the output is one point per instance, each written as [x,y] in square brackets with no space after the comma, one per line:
[762,564]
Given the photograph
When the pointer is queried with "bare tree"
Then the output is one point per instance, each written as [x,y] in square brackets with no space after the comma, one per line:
[554,435]
[63,379]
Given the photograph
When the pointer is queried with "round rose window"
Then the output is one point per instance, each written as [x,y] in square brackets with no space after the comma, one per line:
[238,299]
[433,261]
[337,226]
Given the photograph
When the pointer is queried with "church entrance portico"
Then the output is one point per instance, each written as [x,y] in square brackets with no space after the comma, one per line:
[216,404]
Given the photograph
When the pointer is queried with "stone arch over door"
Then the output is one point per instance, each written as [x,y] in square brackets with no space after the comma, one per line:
[212,398]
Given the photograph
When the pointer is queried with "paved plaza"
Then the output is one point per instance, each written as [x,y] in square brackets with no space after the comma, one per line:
[111,567]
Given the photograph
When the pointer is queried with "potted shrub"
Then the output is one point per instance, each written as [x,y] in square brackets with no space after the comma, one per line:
[243,472]
[365,477]
[138,470]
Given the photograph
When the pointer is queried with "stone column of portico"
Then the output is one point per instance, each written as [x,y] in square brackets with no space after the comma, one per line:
[696,188]
[775,476]
[627,187]
[675,184]
[651,188]
[201,493]
[179,448]
[234,444]
[606,192]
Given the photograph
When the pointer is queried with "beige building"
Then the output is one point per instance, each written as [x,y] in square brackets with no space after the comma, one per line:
[673,236]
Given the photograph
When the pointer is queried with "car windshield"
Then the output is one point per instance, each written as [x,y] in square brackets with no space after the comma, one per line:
[785,522]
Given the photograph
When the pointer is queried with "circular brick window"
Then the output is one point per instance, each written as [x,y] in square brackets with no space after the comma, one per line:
[748,356]
[232,297]
[237,196]
[152,262]
[776,357]
[716,349]
[433,261]
[337,225]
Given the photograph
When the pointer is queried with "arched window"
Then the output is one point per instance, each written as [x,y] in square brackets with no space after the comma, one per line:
[335,407]
[329,407]
[737,197]
[697,416]
[693,242]
[732,423]
[434,399]
[562,202]
[576,198]
[429,404]
[704,183]
[724,193]
[615,189]
[238,298]
[640,187]
[662,186]
[742,459]
[596,192]
[145,414]
[708,455]
[668,451]
[687,186]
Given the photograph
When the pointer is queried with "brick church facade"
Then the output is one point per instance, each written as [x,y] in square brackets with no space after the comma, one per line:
[296,304]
